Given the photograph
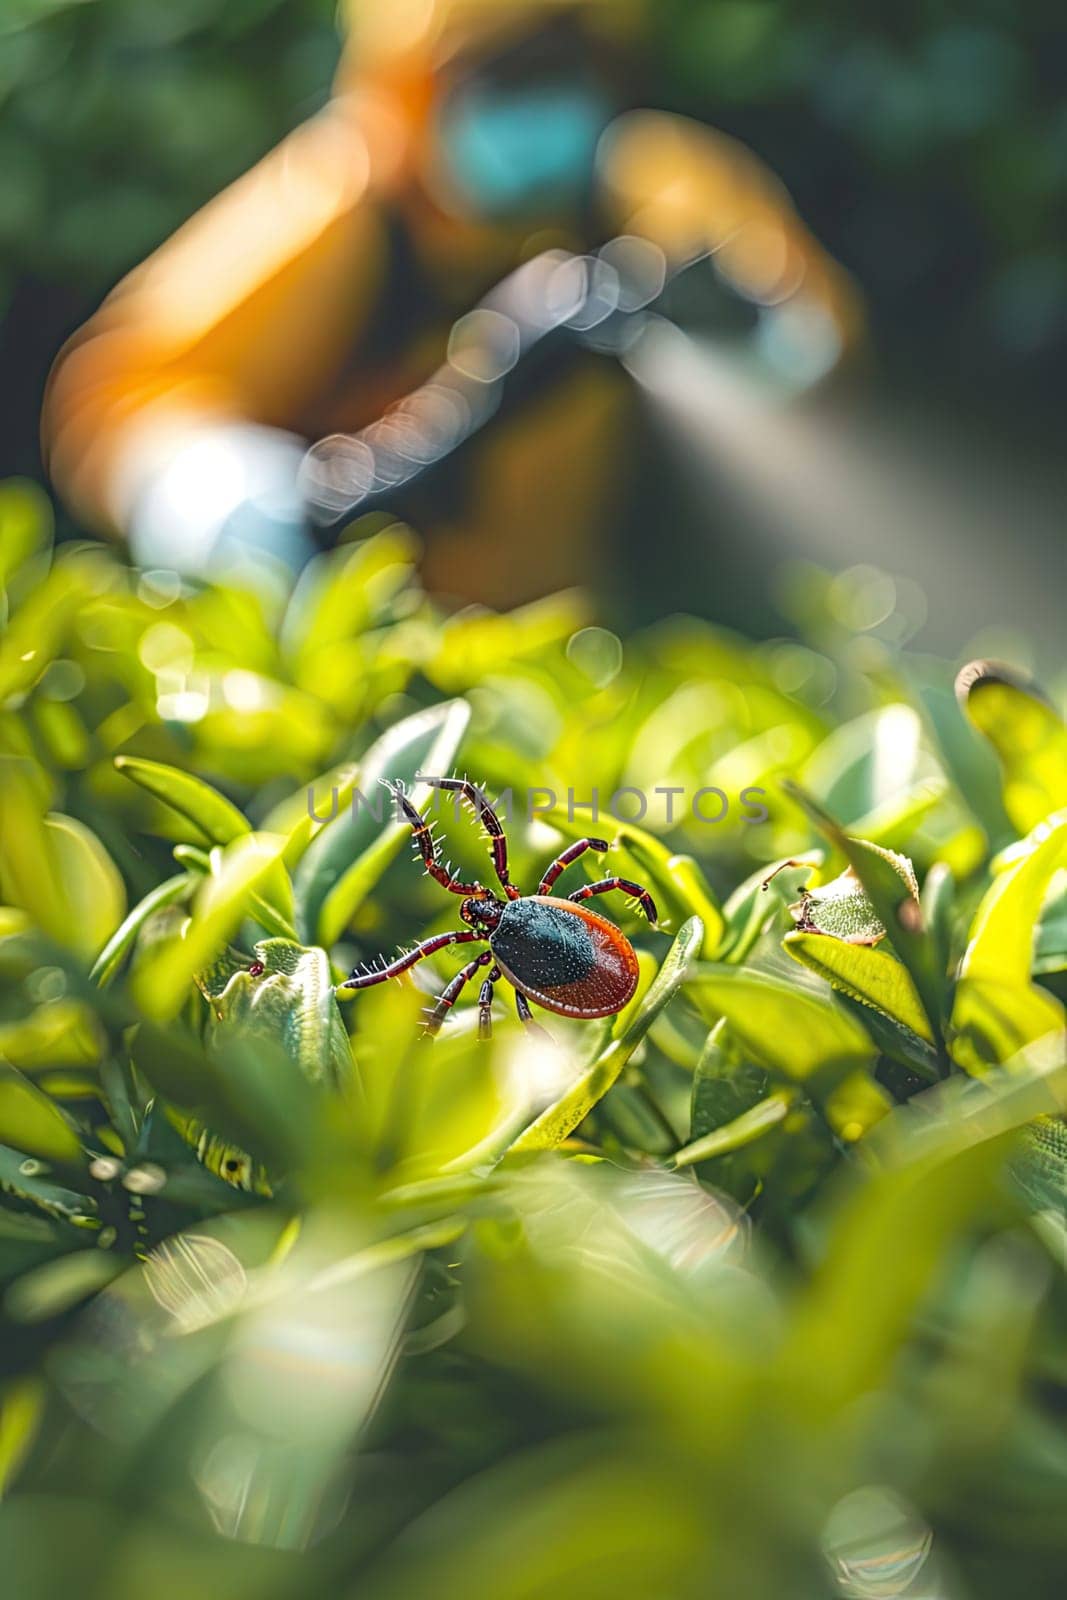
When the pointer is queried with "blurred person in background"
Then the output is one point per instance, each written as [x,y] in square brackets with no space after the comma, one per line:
[463,138]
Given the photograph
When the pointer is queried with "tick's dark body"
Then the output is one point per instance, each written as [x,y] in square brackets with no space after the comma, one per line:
[553,951]
[566,958]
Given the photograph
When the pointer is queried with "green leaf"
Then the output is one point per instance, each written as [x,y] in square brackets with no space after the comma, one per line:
[749,1126]
[894,904]
[874,773]
[559,1121]
[29,868]
[1027,734]
[215,818]
[26,1177]
[38,629]
[248,1091]
[161,983]
[936,1161]
[997,1008]
[725,1083]
[791,1029]
[260,909]
[93,888]
[1050,948]
[756,902]
[348,856]
[291,1001]
[25,524]
[31,1122]
[342,593]
[296,816]
[897,1042]
[56,1286]
[870,975]
[21,1410]
[937,900]
[167,893]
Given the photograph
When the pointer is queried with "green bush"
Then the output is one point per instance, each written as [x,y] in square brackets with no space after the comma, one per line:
[753,1290]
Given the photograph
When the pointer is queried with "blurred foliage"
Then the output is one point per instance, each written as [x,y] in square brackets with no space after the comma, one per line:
[118,118]
[757,1288]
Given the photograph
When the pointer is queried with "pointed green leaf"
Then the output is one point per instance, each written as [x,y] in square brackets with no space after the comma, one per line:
[28,1179]
[167,893]
[743,1130]
[347,857]
[94,889]
[794,1030]
[1027,734]
[867,973]
[215,818]
[291,1001]
[895,905]
[31,1122]
[997,1008]
[756,902]
[725,1083]
[874,772]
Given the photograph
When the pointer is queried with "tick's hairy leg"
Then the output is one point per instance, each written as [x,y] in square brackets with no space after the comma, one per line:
[522,1006]
[447,998]
[367,980]
[485,1004]
[498,844]
[565,857]
[640,894]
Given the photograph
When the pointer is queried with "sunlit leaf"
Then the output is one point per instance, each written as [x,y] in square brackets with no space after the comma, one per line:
[162,982]
[997,1009]
[874,767]
[870,975]
[1027,734]
[167,893]
[93,888]
[795,1031]
[31,1122]
[892,895]
[61,1033]
[215,819]
[28,865]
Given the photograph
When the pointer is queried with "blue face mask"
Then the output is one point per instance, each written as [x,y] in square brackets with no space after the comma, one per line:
[515,152]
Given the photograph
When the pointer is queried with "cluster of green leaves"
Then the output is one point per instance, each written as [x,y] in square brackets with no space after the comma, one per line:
[756,1288]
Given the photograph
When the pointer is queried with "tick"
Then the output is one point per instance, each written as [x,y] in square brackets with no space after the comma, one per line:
[554,952]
